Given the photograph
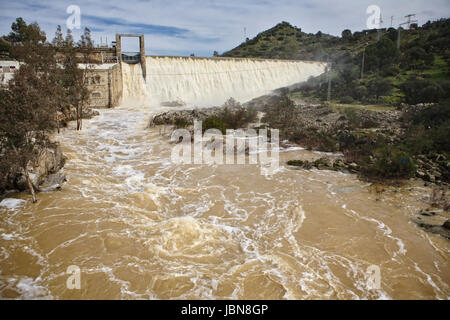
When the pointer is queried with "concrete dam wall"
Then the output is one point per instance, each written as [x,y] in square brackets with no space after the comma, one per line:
[211,81]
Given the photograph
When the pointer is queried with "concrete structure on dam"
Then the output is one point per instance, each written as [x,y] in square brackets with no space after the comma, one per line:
[192,80]
[105,84]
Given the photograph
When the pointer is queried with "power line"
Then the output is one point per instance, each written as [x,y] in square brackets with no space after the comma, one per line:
[408,22]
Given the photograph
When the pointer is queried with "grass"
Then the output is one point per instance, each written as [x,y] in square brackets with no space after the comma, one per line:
[438,71]
[297,96]
[371,107]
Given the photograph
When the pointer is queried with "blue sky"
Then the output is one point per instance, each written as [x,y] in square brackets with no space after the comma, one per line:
[200,27]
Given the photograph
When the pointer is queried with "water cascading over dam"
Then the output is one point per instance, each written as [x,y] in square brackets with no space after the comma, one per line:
[211,81]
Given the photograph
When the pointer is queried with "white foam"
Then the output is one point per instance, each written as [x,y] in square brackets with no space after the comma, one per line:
[12,203]
[29,288]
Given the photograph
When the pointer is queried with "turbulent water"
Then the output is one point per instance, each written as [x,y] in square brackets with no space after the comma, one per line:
[139,226]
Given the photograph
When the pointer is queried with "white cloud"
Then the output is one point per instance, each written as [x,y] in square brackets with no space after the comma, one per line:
[212,24]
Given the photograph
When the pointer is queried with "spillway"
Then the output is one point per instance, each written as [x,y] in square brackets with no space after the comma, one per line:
[211,81]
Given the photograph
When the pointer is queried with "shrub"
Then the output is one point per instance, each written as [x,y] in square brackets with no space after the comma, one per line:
[234,116]
[213,122]
[181,123]
[347,100]
[352,117]
[421,91]
[390,162]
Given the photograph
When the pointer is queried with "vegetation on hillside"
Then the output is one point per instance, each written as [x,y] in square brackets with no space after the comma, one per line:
[368,68]
[417,143]
[417,72]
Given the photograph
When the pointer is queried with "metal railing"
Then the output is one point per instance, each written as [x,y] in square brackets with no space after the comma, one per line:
[131,57]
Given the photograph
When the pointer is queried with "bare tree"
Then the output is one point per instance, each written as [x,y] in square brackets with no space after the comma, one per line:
[74,79]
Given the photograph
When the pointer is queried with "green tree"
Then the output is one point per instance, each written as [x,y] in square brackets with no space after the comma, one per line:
[281,113]
[379,87]
[86,40]
[381,54]
[421,91]
[346,35]
[58,40]
[27,110]
[69,39]
[21,32]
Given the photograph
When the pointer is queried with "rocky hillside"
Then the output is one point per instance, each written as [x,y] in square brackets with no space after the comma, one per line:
[417,72]
[285,41]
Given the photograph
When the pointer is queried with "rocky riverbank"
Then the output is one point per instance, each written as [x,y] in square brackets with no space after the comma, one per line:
[45,172]
[433,220]
[324,128]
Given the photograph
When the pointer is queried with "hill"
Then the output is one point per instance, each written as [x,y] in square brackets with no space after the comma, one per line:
[285,41]
[417,71]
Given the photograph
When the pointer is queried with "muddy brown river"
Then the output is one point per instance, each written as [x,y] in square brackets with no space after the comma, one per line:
[140,227]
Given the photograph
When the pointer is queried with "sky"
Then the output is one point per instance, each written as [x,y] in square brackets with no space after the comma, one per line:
[183,27]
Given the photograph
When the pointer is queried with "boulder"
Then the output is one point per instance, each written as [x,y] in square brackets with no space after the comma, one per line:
[446,225]
[50,160]
[432,222]
[53,182]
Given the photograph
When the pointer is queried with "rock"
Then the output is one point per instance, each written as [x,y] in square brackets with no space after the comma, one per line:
[437,174]
[176,103]
[446,225]
[339,164]
[420,174]
[300,163]
[53,182]
[322,163]
[353,165]
[427,213]
[440,157]
[50,160]
[430,177]
[433,223]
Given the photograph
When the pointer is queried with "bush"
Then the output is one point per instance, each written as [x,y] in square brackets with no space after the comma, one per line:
[421,91]
[354,120]
[381,54]
[390,162]
[390,71]
[314,139]
[213,122]
[181,123]
[434,115]
[234,116]
[347,100]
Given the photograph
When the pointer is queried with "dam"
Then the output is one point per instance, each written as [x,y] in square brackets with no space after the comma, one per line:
[195,81]
[211,81]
